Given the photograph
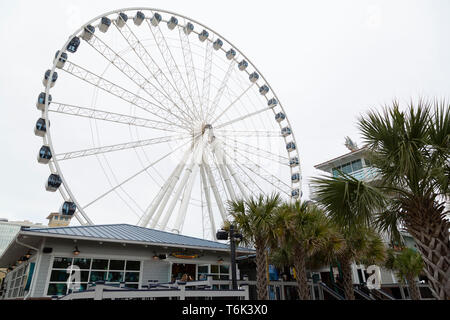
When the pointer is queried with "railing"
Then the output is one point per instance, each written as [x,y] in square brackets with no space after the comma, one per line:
[178,290]
[366,173]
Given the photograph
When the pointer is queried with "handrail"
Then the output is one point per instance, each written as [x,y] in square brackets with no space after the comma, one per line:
[330,291]
[384,294]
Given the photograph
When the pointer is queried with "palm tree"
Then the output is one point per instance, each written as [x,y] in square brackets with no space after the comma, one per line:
[408,264]
[350,204]
[305,230]
[410,151]
[253,219]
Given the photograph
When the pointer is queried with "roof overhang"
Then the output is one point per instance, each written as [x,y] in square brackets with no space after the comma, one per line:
[143,243]
[340,160]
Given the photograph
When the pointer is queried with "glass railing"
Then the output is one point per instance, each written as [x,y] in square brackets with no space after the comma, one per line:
[367,173]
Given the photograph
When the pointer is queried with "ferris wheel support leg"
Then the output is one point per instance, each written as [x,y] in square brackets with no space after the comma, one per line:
[165,195]
[185,201]
[182,185]
[216,193]
[208,201]
[220,155]
[143,222]
[238,182]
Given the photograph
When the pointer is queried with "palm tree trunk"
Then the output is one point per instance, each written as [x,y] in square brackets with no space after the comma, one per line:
[346,265]
[430,232]
[261,276]
[413,289]
[300,268]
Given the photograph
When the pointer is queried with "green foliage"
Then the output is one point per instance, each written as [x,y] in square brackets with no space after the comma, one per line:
[407,264]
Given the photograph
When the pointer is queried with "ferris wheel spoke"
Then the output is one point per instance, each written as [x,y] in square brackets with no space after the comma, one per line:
[265,175]
[256,150]
[97,114]
[250,179]
[221,164]
[166,87]
[135,76]
[242,118]
[248,133]
[117,147]
[110,87]
[219,94]
[206,84]
[190,71]
[132,177]
[172,67]
[232,103]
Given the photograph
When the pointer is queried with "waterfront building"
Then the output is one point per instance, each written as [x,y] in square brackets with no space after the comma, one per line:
[120,254]
[356,164]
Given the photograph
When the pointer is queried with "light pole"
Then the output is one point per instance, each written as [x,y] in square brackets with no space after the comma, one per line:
[233,236]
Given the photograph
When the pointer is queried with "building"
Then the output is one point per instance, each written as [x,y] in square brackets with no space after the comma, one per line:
[8,231]
[356,164]
[117,254]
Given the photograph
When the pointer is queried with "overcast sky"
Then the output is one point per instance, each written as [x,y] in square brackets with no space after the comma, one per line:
[328,61]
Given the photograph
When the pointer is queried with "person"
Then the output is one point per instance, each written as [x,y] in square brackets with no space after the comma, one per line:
[184,278]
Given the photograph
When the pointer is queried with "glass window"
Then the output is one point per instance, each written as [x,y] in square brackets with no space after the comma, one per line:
[97,276]
[99,264]
[347,168]
[57,289]
[116,265]
[115,276]
[62,263]
[335,172]
[82,263]
[224,269]
[133,265]
[132,277]
[214,269]
[59,275]
[356,165]
[202,269]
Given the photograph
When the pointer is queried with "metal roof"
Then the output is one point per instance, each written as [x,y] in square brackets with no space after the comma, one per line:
[129,233]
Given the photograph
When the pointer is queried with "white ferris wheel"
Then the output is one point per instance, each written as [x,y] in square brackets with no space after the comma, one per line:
[151,118]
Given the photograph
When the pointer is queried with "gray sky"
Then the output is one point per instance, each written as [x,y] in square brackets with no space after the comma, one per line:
[328,61]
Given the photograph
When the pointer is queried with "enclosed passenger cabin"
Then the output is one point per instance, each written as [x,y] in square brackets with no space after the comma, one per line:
[264,90]
[290,146]
[121,19]
[253,77]
[243,65]
[172,23]
[40,104]
[295,177]
[286,131]
[68,208]
[231,54]
[47,77]
[62,59]
[73,44]
[53,182]
[280,116]
[44,155]
[104,25]
[295,193]
[217,44]
[139,18]
[203,35]
[188,28]
[88,33]
[272,102]
[294,162]
[156,19]
[40,129]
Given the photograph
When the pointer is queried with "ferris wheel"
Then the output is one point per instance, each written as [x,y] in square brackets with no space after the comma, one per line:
[152,118]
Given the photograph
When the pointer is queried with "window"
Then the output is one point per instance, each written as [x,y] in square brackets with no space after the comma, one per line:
[92,270]
[17,280]
[356,165]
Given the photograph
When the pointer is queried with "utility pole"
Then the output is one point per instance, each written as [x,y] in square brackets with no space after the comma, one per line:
[233,236]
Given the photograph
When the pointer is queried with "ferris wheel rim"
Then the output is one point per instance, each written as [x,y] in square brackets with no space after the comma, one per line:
[65,190]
